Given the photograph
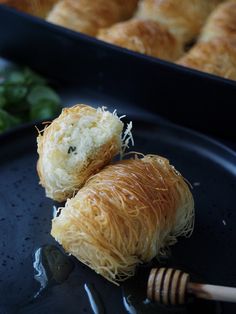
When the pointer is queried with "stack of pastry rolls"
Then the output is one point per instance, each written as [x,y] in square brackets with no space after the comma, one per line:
[215,50]
[161,28]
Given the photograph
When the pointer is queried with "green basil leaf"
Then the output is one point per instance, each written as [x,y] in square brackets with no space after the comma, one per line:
[24,96]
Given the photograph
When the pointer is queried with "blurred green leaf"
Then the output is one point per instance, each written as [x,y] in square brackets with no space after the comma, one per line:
[2,101]
[15,93]
[31,78]
[44,109]
[40,93]
[15,77]
[24,96]
[7,121]
[2,90]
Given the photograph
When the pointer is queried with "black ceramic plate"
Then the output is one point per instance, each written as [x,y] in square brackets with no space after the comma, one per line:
[25,219]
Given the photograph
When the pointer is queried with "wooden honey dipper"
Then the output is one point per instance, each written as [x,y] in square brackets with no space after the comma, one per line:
[171,286]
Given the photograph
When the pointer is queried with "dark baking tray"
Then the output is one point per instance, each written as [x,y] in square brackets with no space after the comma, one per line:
[25,222]
[200,101]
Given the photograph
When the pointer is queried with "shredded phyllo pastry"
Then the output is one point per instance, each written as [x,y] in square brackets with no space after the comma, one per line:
[76,145]
[127,214]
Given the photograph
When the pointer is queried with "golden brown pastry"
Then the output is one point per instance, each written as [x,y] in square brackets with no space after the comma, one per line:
[217,56]
[87,16]
[126,7]
[127,214]
[143,36]
[35,7]
[184,18]
[221,23]
[74,146]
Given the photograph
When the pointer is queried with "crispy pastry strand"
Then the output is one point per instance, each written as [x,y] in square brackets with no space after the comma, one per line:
[126,214]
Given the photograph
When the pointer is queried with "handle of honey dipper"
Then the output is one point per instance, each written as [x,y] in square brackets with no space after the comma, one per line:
[212,292]
[171,286]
